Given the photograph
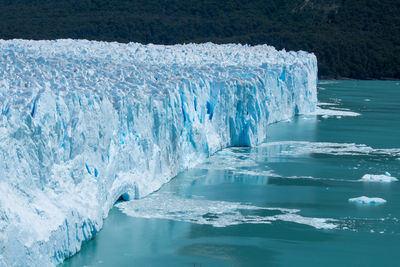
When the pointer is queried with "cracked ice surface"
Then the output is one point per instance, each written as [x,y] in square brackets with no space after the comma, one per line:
[82,123]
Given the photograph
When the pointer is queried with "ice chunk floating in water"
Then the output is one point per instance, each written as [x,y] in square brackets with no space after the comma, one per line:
[215,213]
[83,123]
[384,178]
[367,200]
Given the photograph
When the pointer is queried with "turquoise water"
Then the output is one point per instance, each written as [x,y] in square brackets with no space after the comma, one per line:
[284,203]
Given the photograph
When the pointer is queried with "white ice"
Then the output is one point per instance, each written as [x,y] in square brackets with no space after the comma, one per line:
[363,200]
[378,178]
[334,112]
[215,213]
[327,104]
[295,148]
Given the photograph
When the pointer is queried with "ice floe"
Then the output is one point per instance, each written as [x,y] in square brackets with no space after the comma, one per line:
[334,112]
[305,147]
[215,213]
[383,178]
[363,200]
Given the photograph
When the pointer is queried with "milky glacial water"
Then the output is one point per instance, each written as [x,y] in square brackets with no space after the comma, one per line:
[283,203]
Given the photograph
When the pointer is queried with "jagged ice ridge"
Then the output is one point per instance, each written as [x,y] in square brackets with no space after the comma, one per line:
[83,123]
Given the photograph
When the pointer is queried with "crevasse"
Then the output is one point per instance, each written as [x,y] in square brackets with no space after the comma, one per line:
[84,123]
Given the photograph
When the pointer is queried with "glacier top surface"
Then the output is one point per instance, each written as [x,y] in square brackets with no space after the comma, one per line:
[184,54]
[63,66]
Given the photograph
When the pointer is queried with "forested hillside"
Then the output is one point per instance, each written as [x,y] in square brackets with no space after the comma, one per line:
[351,38]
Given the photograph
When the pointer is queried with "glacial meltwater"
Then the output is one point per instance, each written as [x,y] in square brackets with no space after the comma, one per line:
[321,191]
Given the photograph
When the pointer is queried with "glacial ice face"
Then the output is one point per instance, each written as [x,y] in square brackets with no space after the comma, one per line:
[83,123]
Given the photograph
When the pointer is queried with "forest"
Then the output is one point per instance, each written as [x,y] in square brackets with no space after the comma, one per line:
[358,39]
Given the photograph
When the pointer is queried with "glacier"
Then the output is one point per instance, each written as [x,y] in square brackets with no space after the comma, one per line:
[85,123]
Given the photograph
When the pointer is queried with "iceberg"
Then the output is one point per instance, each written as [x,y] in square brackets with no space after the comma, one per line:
[367,200]
[85,123]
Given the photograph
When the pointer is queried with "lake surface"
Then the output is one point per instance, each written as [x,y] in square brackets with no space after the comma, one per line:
[284,203]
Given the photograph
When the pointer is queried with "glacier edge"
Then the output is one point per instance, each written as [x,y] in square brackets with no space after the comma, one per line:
[83,123]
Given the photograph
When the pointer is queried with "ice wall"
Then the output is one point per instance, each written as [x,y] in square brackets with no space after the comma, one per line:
[83,123]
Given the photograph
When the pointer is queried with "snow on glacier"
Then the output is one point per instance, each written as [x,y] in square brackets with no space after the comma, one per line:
[83,123]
